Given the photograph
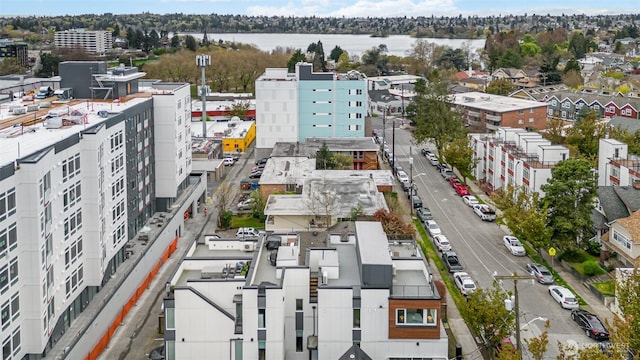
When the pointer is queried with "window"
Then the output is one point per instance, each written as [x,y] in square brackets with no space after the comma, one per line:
[416,317]
[170,318]
[73,281]
[13,271]
[356,318]
[7,203]
[71,196]
[621,239]
[71,167]
[5,316]
[520,121]
[521,111]
[354,127]
[116,141]
[15,306]
[355,91]
[73,252]
[15,341]
[531,120]
[261,318]
[4,279]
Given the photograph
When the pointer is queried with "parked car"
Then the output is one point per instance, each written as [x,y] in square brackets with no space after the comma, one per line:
[416,201]
[433,228]
[228,161]
[255,175]
[247,232]
[434,161]
[462,190]
[514,245]
[591,324]
[246,204]
[464,282]
[542,274]
[485,212]
[402,176]
[470,200]
[424,214]
[425,152]
[441,243]
[454,182]
[450,259]
[446,173]
[431,156]
[262,161]
[564,297]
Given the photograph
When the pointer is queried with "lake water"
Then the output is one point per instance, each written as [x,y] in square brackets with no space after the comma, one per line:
[354,44]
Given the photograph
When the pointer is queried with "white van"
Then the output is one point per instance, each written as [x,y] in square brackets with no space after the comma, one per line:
[247,232]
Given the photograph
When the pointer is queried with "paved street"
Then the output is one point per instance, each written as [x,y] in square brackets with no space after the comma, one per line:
[480,248]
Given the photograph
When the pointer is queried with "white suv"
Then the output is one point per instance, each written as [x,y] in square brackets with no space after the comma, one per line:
[403,177]
[247,232]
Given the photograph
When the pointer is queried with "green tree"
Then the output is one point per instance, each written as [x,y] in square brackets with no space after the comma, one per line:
[554,131]
[487,316]
[342,161]
[190,43]
[10,66]
[629,138]
[627,292]
[459,154]
[324,158]
[529,49]
[175,41]
[585,135]
[296,57]
[452,59]
[525,215]
[432,115]
[510,59]
[572,64]
[257,208]
[500,86]
[335,53]
[49,63]
[538,345]
[569,197]
[239,109]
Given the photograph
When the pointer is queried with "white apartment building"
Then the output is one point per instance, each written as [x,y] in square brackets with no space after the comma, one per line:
[615,165]
[292,107]
[513,156]
[93,41]
[305,296]
[74,189]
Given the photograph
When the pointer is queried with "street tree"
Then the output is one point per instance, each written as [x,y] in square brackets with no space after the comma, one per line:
[538,345]
[392,223]
[223,198]
[239,109]
[569,197]
[487,316]
[459,154]
[524,214]
[628,296]
[555,131]
[433,116]
[500,86]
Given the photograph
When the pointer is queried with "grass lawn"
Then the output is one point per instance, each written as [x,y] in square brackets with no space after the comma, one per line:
[238,221]
[606,288]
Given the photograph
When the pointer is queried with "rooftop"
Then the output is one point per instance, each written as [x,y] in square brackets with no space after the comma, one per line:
[495,103]
[227,129]
[311,146]
[337,194]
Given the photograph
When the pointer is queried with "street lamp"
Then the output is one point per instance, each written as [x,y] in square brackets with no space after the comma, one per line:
[202,61]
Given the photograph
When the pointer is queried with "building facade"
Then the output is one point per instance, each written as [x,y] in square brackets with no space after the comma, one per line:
[92,41]
[17,51]
[292,107]
[616,167]
[514,157]
[74,189]
[484,112]
[234,299]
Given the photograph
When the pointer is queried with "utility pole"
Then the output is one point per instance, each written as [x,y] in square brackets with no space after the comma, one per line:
[393,149]
[411,179]
[202,61]
[516,306]
[384,130]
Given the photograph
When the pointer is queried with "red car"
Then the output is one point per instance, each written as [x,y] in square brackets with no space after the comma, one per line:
[462,190]
[454,181]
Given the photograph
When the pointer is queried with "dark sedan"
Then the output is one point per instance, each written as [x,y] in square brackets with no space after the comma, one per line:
[591,324]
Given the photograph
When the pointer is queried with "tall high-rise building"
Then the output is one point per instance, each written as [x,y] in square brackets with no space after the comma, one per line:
[92,41]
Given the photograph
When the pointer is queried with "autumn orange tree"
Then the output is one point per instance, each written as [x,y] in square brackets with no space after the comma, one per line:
[392,223]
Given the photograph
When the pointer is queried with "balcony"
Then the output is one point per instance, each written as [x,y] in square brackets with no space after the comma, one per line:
[493,117]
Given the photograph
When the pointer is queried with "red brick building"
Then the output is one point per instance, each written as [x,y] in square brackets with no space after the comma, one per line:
[486,112]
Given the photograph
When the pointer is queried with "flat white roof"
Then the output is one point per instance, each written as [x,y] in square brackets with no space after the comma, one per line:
[225,129]
[495,103]
[21,141]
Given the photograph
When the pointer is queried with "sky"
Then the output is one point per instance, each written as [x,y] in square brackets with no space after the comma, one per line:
[322,8]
